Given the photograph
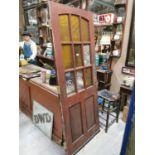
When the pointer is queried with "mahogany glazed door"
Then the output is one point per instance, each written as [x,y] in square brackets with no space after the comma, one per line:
[73,39]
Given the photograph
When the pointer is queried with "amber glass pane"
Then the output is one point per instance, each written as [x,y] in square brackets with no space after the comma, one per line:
[85,29]
[75,28]
[88,77]
[79,80]
[78,55]
[67,56]
[64,27]
[86,51]
[70,84]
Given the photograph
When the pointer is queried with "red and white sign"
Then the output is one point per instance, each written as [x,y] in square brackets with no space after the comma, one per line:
[106,19]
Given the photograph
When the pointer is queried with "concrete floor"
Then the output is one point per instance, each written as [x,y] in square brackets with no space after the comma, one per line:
[34,142]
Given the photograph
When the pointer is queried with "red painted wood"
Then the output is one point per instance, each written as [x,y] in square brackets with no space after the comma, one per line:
[75,106]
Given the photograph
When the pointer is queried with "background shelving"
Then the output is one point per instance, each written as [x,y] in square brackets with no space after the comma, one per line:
[36,15]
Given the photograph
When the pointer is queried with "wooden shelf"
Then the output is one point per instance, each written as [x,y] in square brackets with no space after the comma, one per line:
[118,23]
[40,26]
[41,56]
[119,4]
[42,3]
[35,5]
[113,56]
[103,25]
[103,71]
[115,23]
[29,7]
[115,40]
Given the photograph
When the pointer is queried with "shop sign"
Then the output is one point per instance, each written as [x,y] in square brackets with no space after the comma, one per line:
[128,70]
[43,118]
[106,19]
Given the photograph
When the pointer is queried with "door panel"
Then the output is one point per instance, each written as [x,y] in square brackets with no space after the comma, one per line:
[67,56]
[80,80]
[90,114]
[64,31]
[86,52]
[70,83]
[88,77]
[85,29]
[72,30]
[75,121]
[78,55]
[75,28]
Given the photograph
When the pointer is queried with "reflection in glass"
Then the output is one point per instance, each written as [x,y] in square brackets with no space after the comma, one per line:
[88,77]
[86,50]
[44,15]
[79,80]
[67,56]
[130,59]
[64,27]
[121,12]
[70,85]
[78,55]
[85,29]
[75,28]
[32,16]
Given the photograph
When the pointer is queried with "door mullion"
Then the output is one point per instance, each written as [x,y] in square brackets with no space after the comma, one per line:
[73,53]
[81,38]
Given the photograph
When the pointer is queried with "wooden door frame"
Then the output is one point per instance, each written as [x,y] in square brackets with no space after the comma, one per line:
[55,10]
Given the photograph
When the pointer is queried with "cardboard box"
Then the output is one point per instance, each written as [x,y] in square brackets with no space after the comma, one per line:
[125,113]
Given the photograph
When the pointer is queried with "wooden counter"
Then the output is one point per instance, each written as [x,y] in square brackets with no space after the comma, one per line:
[50,100]
[46,95]
[53,89]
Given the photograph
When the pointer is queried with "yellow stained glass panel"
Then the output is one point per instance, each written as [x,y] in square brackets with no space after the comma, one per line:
[78,55]
[75,28]
[64,28]
[85,29]
[88,77]
[67,56]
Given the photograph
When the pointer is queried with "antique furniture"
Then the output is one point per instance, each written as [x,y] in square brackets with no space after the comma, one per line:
[74,100]
[128,71]
[36,17]
[130,58]
[124,93]
[118,28]
[104,79]
[110,105]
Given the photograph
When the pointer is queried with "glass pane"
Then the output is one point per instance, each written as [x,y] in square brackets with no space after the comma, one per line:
[67,56]
[75,28]
[79,80]
[78,55]
[85,30]
[86,50]
[64,27]
[32,16]
[88,77]
[70,84]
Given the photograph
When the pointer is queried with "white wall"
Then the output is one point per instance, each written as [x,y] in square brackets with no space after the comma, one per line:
[118,63]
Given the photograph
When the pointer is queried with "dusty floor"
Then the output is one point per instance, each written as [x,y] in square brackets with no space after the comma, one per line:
[34,142]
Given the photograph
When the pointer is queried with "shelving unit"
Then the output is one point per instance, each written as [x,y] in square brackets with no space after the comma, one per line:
[116,39]
[118,28]
[36,14]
